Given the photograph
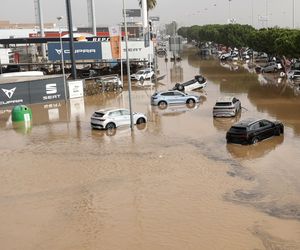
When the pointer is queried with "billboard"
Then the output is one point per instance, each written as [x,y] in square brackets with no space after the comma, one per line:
[133,12]
[14,94]
[136,50]
[35,91]
[82,51]
[46,90]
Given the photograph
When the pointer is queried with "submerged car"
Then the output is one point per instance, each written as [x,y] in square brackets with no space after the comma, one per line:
[115,117]
[109,82]
[198,82]
[164,98]
[251,131]
[294,75]
[226,106]
[270,67]
[143,74]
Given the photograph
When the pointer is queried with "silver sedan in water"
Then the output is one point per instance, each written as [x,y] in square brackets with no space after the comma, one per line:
[164,98]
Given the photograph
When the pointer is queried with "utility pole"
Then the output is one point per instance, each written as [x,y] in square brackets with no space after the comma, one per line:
[70,25]
[39,15]
[128,66]
[294,14]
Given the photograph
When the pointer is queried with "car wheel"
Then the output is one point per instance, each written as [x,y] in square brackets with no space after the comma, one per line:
[262,71]
[254,140]
[110,126]
[275,70]
[190,103]
[111,132]
[140,120]
[180,87]
[162,105]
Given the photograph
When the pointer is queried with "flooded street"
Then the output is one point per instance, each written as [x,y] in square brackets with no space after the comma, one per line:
[172,185]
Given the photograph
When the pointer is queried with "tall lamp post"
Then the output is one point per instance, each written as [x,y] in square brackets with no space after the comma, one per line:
[62,53]
[293,14]
[229,10]
[128,66]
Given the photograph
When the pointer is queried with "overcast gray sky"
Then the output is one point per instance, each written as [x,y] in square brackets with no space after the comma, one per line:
[185,13]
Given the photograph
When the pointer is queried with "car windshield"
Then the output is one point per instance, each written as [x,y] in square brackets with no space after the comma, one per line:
[140,72]
[223,104]
[238,129]
[98,114]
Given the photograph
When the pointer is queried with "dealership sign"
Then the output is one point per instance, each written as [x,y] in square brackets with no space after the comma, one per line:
[136,50]
[35,91]
[82,51]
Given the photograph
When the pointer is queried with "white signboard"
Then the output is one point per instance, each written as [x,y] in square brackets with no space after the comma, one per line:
[75,88]
[136,50]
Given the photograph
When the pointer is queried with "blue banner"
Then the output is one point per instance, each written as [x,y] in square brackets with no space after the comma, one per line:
[82,51]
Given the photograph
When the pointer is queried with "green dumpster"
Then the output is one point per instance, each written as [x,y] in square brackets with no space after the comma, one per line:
[21,113]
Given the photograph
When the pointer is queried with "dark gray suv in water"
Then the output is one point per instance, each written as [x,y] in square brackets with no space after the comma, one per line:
[251,131]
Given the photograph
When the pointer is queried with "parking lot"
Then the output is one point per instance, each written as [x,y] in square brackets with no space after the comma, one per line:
[162,186]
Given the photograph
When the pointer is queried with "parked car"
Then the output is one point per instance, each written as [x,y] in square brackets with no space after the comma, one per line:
[251,131]
[164,98]
[270,67]
[261,57]
[198,82]
[115,117]
[294,75]
[143,74]
[229,56]
[227,106]
[109,82]
[247,54]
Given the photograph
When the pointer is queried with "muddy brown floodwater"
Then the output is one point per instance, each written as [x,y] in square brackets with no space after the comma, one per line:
[171,185]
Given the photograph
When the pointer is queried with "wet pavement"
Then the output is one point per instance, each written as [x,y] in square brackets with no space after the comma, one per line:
[172,184]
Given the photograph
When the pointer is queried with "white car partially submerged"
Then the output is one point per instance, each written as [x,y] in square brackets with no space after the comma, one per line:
[115,117]
[143,74]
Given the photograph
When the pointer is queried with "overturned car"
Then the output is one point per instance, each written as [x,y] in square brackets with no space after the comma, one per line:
[197,83]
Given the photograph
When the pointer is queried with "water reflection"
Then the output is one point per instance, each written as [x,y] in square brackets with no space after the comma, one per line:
[248,152]
[22,127]
[224,123]
[176,73]
[174,110]
[120,131]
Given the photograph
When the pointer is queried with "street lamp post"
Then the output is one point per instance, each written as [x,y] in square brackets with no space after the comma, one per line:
[293,14]
[252,10]
[229,10]
[128,66]
[62,54]
[267,14]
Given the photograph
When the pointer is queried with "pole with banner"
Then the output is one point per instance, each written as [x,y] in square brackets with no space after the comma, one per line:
[114,33]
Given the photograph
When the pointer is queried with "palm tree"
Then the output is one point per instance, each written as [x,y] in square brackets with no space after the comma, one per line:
[150,4]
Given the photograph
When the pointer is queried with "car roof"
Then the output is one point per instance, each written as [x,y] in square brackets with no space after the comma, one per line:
[247,122]
[109,110]
[166,91]
[225,99]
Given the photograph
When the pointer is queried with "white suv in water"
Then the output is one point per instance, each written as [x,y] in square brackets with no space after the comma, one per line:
[115,117]
[143,74]
[227,106]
